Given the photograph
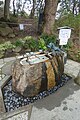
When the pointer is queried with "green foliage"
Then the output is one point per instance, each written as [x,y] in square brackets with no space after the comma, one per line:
[31,43]
[28,38]
[49,38]
[69,20]
[42,44]
[2,48]
[6,45]
[1,54]
[19,43]
[78,55]
[68,46]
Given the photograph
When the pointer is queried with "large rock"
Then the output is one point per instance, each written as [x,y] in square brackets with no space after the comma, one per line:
[11,35]
[4,31]
[30,79]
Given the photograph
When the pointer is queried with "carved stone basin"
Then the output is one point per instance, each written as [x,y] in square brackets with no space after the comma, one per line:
[37,73]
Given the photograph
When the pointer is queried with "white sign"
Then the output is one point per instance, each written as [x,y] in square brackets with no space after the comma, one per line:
[21,26]
[64,35]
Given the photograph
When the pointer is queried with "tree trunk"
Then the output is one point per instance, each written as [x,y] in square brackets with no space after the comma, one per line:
[33,9]
[14,10]
[73,6]
[49,16]
[79,6]
[6,9]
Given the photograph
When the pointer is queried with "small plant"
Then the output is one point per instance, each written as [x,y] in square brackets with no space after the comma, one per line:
[78,56]
[19,43]
[28,38]
[1,54]
[42,44]
[68,46]
[2,48]
[30,43]
[6,45]
[49,38]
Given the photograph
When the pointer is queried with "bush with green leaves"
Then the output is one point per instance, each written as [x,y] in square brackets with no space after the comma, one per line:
[48,38]
[78,55]
[2,48]
[42,44]
[31,43]
[6,45]
[69,20]
[19,43]
[68,46]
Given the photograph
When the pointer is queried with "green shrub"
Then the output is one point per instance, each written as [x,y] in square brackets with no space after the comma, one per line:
[2,48]
[68,46]
[78,55]
[31,43]
[19,43]
[42,44]
[69,20]
[49,38]
[6,45]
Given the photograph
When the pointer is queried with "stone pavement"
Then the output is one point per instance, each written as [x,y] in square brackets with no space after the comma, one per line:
[69,109]
[72,68]
[62,105]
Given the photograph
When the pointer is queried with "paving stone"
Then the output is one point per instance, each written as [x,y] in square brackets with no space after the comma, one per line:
[1,61]
[72,68]
[9,59]
[21,116]
[2,76]
[2,108]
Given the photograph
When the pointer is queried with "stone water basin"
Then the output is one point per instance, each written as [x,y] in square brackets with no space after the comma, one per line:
[37,73]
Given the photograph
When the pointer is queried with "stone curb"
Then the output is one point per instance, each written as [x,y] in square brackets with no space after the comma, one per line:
[6,115]
[2,83]
[9,115]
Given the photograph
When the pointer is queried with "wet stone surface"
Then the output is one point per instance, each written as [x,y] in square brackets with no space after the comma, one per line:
[13,100]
